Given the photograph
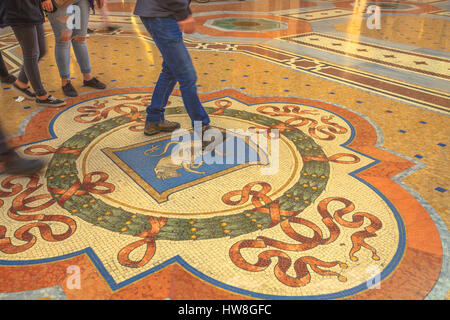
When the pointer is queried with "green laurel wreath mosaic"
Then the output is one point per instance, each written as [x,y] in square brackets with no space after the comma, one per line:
[62,173]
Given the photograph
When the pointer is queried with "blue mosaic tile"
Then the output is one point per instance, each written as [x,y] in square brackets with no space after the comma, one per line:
[402,131]
[442,190]
[423,122]
[418,156]
[441,144]
[388,111]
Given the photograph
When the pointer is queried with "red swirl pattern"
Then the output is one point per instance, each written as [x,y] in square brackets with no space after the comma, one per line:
[328,129]
[21,204]
[303,243]
[148,240]
[98,111]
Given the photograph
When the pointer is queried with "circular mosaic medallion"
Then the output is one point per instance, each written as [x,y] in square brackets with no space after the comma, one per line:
[175,195]
[309,227]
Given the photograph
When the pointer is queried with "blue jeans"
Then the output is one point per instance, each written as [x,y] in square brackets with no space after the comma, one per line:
[73,33]
[177,67]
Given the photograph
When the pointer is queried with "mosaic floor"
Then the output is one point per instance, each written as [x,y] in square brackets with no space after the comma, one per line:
[358,207]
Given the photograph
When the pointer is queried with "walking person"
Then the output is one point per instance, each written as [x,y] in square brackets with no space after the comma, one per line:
[106,19]
[165,20]
[26,18]
[67,36]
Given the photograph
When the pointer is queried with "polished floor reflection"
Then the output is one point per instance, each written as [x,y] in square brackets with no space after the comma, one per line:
[357,208]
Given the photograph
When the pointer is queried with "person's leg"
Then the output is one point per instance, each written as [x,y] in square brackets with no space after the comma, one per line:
[163,89]
[5,77]
[3,146]
[32,42]
[63,37]
[80,47]
[79,40]
[28,38]
[3,70]
[169,40]
[105,16]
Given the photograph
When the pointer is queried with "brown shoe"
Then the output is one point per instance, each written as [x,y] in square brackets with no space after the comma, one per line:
[213,143]
[165,126]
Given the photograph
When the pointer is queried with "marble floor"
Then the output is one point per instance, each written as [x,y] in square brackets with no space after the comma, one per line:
[357,208]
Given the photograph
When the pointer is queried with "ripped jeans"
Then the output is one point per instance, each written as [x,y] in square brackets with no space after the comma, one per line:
[70,25]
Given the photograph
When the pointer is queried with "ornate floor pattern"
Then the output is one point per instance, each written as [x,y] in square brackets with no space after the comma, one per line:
[355,205]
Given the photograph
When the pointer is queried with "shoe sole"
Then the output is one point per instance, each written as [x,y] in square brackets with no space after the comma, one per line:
[51,105]
[24,94]
[70,95]
[159,130]
[94,87]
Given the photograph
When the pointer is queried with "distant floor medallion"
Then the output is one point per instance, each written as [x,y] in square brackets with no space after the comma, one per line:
[246,24]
